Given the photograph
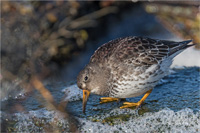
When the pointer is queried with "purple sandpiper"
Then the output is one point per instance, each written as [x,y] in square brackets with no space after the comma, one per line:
[128,67]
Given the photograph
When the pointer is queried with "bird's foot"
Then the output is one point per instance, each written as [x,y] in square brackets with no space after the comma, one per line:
[130,104]
[108,99]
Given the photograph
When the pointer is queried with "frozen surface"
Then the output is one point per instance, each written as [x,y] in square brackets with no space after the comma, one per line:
[173,106]
[162,121]
[165,120]
[73,93]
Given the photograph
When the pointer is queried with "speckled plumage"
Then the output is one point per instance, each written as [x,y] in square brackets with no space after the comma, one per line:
[128,67]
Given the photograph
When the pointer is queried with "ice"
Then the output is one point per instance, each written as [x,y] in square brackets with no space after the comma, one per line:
[73,93]
[7,91]
[41,120]
[165,120]
[172,119]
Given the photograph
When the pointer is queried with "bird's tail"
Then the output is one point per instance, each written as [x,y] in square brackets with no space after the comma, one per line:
[185,44]
[181,46]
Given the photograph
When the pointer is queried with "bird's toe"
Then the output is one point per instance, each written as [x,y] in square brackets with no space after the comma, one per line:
[130,104]
[108,99]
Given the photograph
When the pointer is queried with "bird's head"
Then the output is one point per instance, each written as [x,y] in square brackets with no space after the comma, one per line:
[91,79]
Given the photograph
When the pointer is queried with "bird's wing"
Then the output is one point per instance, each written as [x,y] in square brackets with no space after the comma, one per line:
[104,52]
[140,51]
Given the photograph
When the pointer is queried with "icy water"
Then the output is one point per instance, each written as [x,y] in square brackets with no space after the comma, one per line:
[172,106]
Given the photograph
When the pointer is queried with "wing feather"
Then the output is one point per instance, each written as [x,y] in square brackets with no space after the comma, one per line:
[137,51]
[145,51]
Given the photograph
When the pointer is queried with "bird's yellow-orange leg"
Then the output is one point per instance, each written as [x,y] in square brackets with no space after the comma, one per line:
[108,99]
[130,104]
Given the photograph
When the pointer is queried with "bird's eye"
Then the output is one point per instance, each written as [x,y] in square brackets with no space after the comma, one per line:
[86,78]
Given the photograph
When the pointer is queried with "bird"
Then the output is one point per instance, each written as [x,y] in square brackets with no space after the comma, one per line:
[128,67]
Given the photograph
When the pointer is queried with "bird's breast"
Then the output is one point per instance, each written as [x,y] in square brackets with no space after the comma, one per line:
[136,82]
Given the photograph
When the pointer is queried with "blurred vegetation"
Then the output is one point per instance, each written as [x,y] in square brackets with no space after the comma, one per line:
[182,18]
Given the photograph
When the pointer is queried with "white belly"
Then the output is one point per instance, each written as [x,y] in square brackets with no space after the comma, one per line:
[133,88]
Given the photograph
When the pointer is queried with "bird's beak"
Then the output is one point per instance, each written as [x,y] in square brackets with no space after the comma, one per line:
[86,94]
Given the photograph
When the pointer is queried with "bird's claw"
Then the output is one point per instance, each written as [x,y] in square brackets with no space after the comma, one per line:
[130,104]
